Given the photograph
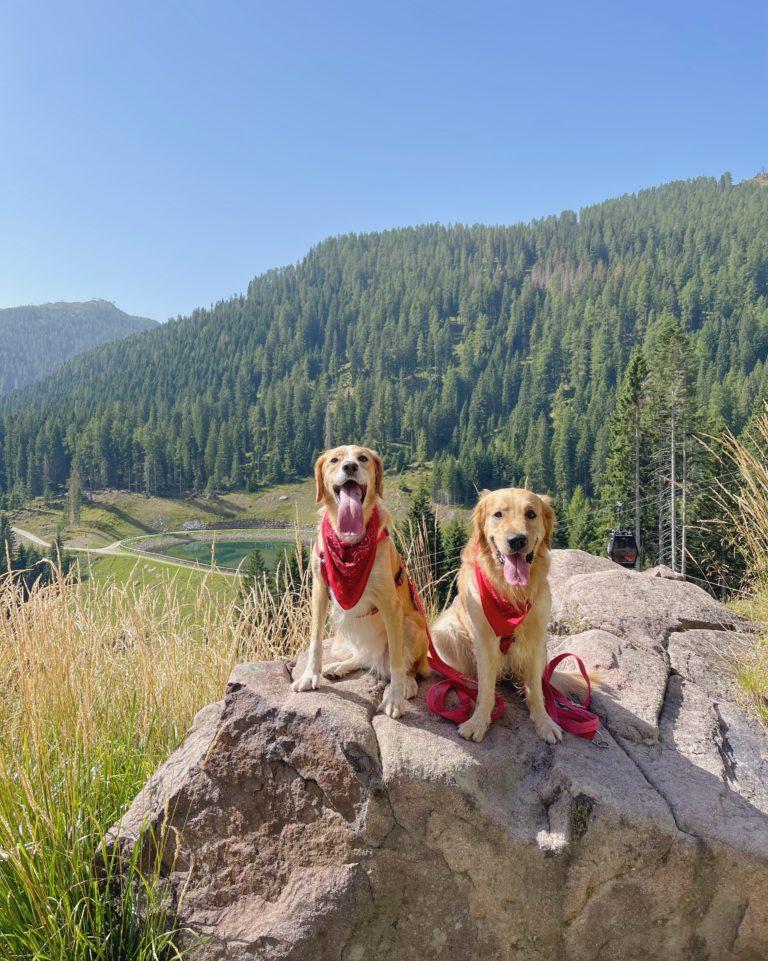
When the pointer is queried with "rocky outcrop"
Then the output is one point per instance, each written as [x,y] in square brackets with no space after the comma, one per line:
[308,827]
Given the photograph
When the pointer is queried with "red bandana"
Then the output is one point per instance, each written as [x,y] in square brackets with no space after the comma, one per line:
[503,616]
[347,567]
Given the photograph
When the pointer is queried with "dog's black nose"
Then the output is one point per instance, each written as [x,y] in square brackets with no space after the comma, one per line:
[516,542]
[349,468]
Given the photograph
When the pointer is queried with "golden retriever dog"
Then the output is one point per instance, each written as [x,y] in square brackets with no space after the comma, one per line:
[510,541]
[380,628]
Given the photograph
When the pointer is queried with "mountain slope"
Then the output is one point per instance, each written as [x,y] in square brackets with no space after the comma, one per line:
[494,350]
[35,340]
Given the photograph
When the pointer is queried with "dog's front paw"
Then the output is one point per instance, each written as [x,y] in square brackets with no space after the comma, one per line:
[411,687]
[307,682]
[393,703]
[338,669]
[547,729]
[475,728]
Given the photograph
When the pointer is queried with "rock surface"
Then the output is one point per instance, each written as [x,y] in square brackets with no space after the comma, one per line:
[307,827]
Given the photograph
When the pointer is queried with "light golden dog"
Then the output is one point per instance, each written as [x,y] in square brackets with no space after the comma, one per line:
[383,631]
[511,537]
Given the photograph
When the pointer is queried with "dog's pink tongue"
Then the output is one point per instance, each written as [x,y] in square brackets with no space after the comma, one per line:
[350,514]
[516,570]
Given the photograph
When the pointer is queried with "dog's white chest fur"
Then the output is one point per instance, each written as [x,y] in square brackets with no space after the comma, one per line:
[359,630]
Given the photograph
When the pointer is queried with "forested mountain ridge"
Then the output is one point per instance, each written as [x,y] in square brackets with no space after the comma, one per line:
[36,339]
[493,351]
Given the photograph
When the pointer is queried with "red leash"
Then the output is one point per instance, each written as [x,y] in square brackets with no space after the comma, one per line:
[574,718]
[463,686]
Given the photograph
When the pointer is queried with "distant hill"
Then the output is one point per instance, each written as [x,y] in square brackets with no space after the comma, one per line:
[37,339]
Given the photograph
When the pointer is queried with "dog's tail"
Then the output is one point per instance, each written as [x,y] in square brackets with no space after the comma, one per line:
[572,682]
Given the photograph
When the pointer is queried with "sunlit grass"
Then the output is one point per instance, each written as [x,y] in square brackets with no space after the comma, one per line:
[141,573]
[744,510]
[751,659]
[98,683]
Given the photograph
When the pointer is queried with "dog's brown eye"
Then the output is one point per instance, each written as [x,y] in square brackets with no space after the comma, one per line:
[362,459]
[531,515]
[497,514]
[334,460]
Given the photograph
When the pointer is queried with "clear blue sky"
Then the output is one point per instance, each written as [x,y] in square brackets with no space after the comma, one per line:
[161,154]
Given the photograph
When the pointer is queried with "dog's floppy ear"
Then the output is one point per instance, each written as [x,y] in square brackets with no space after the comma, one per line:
[319,484]
[478,516]
[379,467]
[549,518]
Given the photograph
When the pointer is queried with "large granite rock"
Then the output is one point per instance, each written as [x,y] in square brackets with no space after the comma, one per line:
[307,827]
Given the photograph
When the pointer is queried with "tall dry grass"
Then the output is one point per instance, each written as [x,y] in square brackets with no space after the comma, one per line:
[98,683]
[743,509]
[745,504]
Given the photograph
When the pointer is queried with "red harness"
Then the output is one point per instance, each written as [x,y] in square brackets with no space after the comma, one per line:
[504,617]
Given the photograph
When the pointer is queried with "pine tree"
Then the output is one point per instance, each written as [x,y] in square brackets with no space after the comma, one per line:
[628,470]
[61,560]
[564,440]
[7,545]
[422,522]
[254,571]
[670,362]
[74,497]
[454,538]
[291,569]
[538,462]
[420,541]
[580,525]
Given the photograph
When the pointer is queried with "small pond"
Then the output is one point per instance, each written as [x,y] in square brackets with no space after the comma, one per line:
[228,553]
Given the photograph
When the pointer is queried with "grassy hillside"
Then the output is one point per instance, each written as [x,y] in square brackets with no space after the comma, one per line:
[184,585]
[35,340]
[111,515]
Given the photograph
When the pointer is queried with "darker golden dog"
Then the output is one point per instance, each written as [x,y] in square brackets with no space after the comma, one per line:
[510,542]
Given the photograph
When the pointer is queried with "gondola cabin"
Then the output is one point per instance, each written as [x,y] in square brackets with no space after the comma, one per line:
[622,548]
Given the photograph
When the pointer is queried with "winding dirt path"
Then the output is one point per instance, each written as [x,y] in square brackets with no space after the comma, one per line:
[117,548]
[29,536]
